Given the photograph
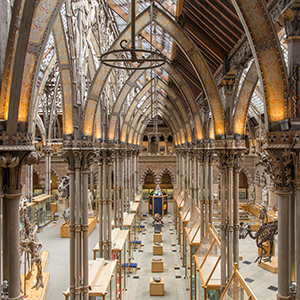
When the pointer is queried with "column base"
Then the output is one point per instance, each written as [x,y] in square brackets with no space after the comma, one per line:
[283,297]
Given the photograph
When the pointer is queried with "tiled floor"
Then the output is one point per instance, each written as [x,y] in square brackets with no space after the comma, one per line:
[174,286]
[263,283]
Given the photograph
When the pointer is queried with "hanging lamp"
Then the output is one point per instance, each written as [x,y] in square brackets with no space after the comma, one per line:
[152,58]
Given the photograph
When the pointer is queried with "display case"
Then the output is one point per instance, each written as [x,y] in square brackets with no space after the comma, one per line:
[184,217]
[135,209]
[31,213]
[207,267]
[192,238]
[102,280]
[128,224]
[42,210]
[237,288]
[120,252]
[158,202]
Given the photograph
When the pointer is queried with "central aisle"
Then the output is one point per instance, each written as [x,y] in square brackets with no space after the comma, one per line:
[175,285]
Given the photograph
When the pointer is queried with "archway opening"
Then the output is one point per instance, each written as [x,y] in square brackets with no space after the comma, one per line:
[166,185]
[149,185]
[243,187]
[37,187]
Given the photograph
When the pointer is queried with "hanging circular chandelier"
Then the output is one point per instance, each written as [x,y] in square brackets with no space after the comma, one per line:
[139,59]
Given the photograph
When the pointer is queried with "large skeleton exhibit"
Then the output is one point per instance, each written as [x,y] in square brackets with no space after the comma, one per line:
[149,127]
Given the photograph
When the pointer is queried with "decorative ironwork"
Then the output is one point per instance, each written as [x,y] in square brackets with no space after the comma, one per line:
[153,60]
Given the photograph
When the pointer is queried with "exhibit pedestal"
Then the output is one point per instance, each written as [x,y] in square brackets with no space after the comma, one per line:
[157,288]
[158,249]
[157,266]
[157,237]
[270,266]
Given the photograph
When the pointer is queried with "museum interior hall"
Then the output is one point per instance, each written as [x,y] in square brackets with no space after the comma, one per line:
[150,149]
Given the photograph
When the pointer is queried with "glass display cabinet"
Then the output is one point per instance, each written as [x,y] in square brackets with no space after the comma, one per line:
[42,210]
[158,202]
[128,224]
[236,288]
[31,211]
[120,251]
[135,209]
[102,280]
[207,279]
[192,242]
[184,217]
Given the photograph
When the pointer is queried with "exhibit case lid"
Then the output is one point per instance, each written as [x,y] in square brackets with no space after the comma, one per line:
[193,226]
[207,260]
[237,288]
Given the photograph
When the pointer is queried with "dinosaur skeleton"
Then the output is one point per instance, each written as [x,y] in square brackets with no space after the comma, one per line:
[29,243]
[264,234]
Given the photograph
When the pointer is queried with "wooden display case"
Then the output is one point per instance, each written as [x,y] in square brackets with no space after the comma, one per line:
[120,251]
[207,266]
[237,288]
[157,266]
[102,280]
[65,231]
[191,245]
[158,249]
[157,288]
[157,237]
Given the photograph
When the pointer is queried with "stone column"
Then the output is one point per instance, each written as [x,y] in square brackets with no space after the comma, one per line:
[283,244]
[187,173]
[292,228]
[47,151]
[191,180]
[236,215]
[201,200]
[72,234]
[129,180]
[137,173]
[125,171]
[122,189]
[13,199]
[29,182]
[78,231]
[195,183]
[298,238]
[105,210]
[116,204]
[109,238]
[210,188]
[100,207]
[85,236]
[92,181]
[223,227]
[10,187]
[206,197]
[230,208]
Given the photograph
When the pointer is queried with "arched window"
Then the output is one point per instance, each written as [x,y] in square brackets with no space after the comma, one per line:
[161,138]
[145,138]
[170,138]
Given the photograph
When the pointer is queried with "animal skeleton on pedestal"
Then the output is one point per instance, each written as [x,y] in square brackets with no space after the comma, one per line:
[29,243]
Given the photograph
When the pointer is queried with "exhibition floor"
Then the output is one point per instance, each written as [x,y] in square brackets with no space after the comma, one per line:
[263,283]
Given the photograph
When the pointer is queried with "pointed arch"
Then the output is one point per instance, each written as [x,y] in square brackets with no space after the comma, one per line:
[245,96]
[192,53]
[266,49]
[169,171]
[144,174]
